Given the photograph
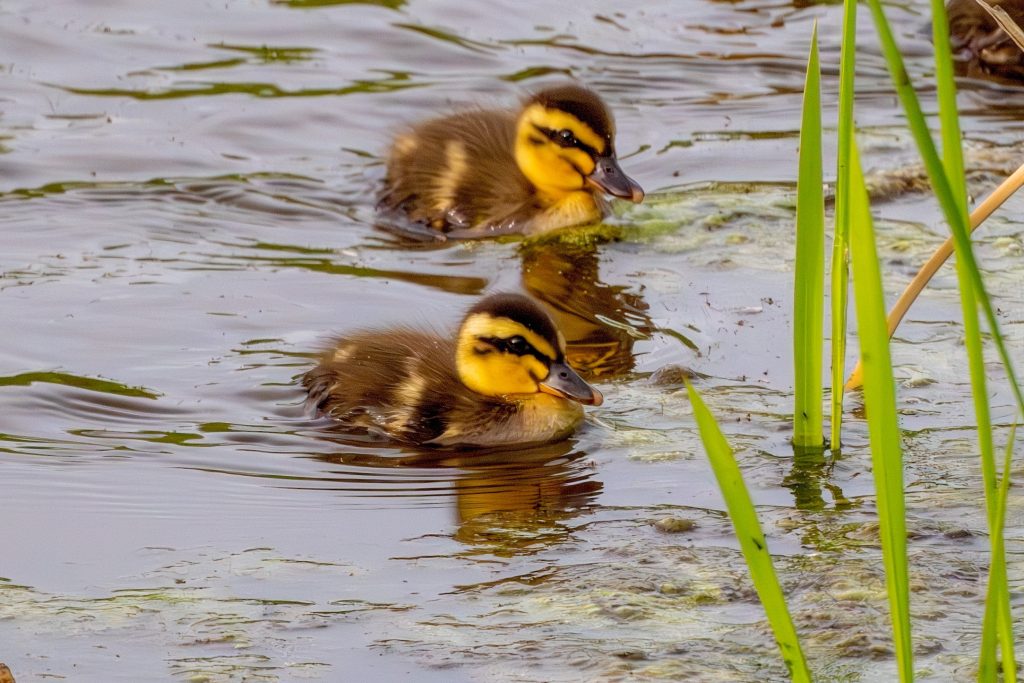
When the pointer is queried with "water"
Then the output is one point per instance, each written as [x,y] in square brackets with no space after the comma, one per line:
[186,205]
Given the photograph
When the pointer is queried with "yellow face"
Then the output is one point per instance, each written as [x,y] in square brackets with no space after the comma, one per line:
[497,356]
[508,347]
[556,151]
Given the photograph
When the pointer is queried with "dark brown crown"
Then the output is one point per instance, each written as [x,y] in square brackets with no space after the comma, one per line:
[582,103]
[522,310]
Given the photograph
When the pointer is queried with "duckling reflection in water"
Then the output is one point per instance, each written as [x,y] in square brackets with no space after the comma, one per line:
[520,506]
[981,49]
[502,381]
[510,501]
[601,322]
[491,172]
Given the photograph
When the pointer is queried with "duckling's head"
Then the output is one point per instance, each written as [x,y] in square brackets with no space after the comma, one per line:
[565,142]
[508,345]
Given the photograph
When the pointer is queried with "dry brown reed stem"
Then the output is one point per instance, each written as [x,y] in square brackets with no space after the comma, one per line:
[1005,22]
[928,270]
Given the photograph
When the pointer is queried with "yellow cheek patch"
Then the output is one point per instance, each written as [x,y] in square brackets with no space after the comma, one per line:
[491,372]
[579,159]
[554,170]
[537,370]
[496,375]
[551,174]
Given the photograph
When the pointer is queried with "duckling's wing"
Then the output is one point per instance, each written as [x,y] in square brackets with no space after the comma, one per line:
[398,382]
[352,375]
[456,172]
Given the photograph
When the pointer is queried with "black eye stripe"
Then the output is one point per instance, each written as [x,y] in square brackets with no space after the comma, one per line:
[555,137]
[507,346]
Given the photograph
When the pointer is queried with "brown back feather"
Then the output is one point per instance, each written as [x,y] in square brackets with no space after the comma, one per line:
[491,178]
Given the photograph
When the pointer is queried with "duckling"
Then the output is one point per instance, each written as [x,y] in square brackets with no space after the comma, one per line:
[492,172]
[502,381]
[981,48]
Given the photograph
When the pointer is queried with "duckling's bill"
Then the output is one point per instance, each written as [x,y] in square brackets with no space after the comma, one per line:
[564,382]
[609,177]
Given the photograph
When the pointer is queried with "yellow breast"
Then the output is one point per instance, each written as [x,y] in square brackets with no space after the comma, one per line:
[575,208]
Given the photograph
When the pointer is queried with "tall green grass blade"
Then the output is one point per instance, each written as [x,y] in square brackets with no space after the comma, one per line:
[840,243]
[941,186]
[998,598]
[1005,619]
[809,281]
[972,290]
[751,538]
[880,402]
[997,604]
[949,116]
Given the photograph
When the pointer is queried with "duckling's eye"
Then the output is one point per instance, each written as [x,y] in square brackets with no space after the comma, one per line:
[518,345]
[565,138]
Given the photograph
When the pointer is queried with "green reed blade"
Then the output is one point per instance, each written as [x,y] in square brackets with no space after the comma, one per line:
[880,403]
[948,183]
[751,538]
[949,117]
[941,186]
[998,599]
[1005,622]
[840,243]
[809,281]
[998,620]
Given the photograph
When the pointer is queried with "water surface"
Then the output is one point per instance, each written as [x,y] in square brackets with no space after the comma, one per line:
[186,211]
